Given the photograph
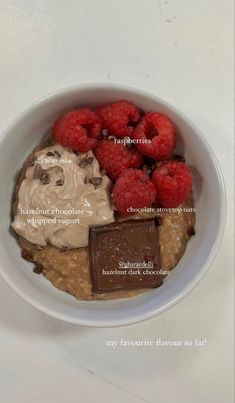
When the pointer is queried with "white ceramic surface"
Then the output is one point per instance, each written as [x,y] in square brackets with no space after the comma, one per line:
[26,132]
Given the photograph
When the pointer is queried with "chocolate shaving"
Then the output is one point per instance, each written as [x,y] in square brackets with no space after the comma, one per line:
[86,161]
[57,154]
[37,171]
[149,165]
[191,231]
[26,255]
[158,221]
[105,133]
[50,154]
[38,268]
[59,182]
[179,158]
[44,178]
[87,179]
[96,181]
[31,160]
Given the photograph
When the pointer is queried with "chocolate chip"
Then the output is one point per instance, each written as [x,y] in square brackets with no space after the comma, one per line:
[105,133]
[179,158]
[50,154]
[87,179]
[64,248]
[44,178]
[57,154]
[31,160]
[26,255]
[191,231]
[86,161]
[158,221]
[103,172]
[96,181]
[38,268]
[149,165]
[147,169]
[59,182]
[37,171]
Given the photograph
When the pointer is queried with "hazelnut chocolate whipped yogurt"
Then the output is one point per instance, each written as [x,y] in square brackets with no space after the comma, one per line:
[62,194]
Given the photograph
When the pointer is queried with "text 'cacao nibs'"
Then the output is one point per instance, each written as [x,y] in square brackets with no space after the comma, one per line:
[85,162]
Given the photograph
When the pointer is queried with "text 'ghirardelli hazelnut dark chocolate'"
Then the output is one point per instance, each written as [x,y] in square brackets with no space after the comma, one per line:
[125,256]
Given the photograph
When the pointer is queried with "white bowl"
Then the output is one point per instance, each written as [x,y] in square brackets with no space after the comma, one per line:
[209,193]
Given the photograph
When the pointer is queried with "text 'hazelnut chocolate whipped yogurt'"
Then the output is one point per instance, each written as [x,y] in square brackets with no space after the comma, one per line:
[104,208]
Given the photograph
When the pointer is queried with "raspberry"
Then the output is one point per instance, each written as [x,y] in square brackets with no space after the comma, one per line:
[173,181]
[133,189]
[78,129]
[115,157]
[159,129]
[118,117]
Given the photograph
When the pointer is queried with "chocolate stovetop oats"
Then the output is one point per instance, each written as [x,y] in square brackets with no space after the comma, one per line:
[83,183]
[69,269]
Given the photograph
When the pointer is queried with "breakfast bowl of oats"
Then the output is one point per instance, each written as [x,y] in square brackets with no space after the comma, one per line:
[112,205]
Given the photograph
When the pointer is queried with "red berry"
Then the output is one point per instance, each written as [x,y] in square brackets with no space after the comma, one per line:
[78,129]
[173,181]
[115,157]
[158,128]
[133,189]
[118,117]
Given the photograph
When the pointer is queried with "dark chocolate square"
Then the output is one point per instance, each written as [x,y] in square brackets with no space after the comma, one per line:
[125,256]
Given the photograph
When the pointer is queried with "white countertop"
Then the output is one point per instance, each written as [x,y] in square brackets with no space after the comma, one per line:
[180,50]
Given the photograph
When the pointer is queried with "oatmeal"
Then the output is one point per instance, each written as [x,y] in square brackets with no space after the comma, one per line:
[87,205]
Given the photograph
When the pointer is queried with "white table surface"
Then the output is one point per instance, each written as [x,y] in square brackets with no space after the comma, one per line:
[182,51]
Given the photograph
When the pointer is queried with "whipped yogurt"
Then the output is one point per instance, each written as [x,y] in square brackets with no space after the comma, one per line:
[62,194]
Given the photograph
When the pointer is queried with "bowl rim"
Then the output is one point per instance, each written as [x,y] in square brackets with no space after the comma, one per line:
[141,316]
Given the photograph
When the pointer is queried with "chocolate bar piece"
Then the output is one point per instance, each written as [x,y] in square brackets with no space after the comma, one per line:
[125,256]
